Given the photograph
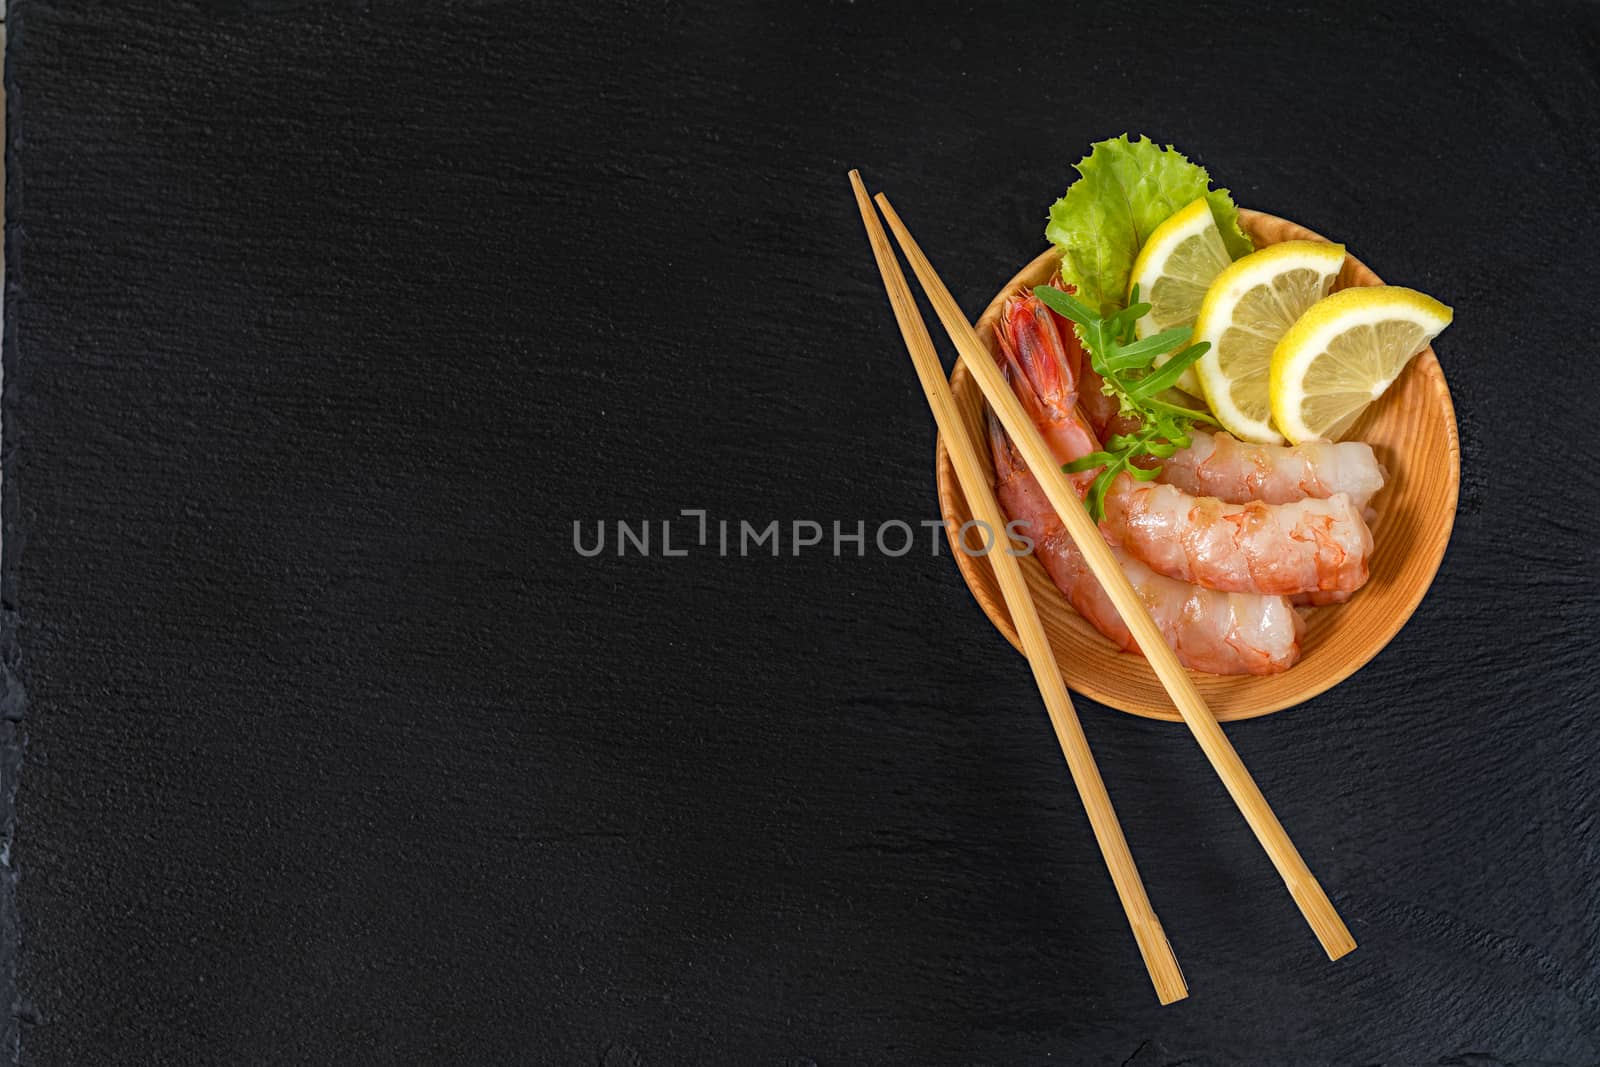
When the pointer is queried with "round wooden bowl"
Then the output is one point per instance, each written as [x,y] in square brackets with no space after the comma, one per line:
[1413,430]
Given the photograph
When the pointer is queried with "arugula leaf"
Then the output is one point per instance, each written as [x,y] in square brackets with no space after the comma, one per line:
[1127,189]
[1166,377]
[1127,368]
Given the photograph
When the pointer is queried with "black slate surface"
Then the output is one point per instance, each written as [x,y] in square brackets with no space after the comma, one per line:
[324,324]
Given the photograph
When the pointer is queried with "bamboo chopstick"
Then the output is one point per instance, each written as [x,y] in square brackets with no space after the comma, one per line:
[1303,886]
[1147,932]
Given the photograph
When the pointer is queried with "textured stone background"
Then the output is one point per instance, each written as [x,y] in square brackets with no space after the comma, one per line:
[326,321]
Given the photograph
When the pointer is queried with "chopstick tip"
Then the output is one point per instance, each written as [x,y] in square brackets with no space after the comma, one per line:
[1340,950]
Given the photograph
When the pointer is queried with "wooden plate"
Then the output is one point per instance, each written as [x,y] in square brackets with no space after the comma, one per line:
[1413,430]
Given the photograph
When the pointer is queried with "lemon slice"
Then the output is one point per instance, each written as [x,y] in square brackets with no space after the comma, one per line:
[1344,353]
[1173,271]
[1249,306]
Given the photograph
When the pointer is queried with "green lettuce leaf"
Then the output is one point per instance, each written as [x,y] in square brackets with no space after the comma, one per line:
[1127,189]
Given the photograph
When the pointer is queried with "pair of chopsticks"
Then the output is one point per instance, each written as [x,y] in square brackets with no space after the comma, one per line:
[1153,946]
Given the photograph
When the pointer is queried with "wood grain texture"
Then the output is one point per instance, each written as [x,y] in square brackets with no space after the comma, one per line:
[1412,428]
[979,362]
[325,321]
[962,451]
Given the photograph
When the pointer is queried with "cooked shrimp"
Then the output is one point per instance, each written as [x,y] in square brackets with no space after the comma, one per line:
[1308,545]
[1034,353]
[1223,633]
[1101,411]
[1237,471]
[1222,466]
[1305,546]
[1319,600]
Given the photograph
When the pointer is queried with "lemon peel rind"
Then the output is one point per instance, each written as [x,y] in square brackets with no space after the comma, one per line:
[1336,314]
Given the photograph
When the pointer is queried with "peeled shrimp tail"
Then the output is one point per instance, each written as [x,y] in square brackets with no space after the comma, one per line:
[1318,600]
[1220,633]
[1306,546]
[1237,471]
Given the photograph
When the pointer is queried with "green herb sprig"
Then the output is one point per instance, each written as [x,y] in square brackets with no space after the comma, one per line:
[1127,368]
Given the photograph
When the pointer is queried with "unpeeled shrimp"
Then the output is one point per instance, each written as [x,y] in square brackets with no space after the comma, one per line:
[1304,546]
